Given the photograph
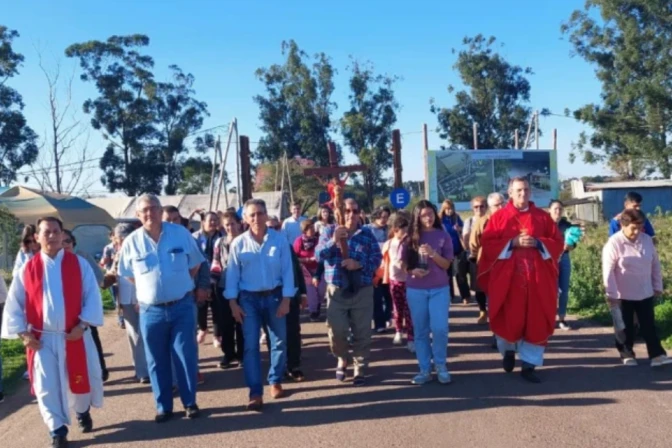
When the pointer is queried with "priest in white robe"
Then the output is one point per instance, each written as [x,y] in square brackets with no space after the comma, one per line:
[50,305]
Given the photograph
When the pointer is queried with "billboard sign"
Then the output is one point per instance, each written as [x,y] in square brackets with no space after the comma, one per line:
[460,175]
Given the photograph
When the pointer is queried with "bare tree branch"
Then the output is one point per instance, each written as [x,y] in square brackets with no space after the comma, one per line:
[66,141]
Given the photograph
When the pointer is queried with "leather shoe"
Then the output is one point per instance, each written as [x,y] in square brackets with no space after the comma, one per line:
[529,374]
[255,404]
[509,361]
[85,422]
[193,411]
[163,417]
[277,391]
[59,442]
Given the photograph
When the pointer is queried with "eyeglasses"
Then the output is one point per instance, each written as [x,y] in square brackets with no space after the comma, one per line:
[479,206]
[353,211]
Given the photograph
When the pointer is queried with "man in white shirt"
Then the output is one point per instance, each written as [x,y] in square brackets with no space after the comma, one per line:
[291,227]
[50,306]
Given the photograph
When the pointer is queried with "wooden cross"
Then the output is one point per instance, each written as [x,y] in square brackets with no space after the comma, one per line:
[333,168]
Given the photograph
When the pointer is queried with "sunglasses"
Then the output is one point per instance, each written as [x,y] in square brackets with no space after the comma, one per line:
[68,241]
[353,211]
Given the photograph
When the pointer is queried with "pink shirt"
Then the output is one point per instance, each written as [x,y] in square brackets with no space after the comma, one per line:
[397,249]
[631,269]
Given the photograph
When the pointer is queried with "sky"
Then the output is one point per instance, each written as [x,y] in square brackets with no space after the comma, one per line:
[223,42]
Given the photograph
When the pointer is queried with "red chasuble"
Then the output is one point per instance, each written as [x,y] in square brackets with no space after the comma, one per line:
[75,352]
[523,289]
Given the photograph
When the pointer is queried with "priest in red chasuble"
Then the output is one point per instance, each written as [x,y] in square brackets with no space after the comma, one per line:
[518,270]
[50,306]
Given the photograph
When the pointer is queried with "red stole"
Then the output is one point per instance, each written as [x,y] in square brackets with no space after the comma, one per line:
[75,352]
[523,289]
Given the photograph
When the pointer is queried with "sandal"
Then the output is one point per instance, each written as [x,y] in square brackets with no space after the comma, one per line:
[341,373]
[359,381]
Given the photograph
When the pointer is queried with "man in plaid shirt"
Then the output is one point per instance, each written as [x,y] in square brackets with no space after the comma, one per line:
[349,289]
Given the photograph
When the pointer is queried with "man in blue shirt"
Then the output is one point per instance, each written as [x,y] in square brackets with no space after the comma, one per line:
[259,287]
[633,201]
[162,259]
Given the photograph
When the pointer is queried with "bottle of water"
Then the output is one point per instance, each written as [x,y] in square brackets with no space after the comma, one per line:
[422,262]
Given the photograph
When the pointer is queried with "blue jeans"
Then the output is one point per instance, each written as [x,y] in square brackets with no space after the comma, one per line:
[429,313]
[261,310]
[565,268]
[168,333]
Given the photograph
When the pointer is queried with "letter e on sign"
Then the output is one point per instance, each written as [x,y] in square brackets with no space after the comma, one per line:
[400,197]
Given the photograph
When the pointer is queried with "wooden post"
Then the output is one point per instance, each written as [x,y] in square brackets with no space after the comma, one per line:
[536,128]
[475,135]
[529,132]
[214,170]
[555,139]
[515,139]
[425,155]
[237,140]
[245,169]
[333,155]
[222,170]
[396,161]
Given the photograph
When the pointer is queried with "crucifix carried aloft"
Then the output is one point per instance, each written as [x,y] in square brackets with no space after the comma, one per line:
[335,186]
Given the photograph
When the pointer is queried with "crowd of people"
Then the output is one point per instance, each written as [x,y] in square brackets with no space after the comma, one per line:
[253,276]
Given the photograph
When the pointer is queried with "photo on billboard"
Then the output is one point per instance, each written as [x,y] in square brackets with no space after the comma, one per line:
[461,175]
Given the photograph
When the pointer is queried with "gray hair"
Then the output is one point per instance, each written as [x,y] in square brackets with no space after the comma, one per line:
[493,196]
[256,202]
[148,198]
[123,230]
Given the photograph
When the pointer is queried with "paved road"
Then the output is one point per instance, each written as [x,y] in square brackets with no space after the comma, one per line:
[586,400]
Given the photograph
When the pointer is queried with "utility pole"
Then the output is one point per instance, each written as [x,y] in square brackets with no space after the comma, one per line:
[475,129]
[396,161]
[536,128]
[425,155]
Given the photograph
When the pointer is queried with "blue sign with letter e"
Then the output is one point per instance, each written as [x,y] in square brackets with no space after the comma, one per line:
[400,197]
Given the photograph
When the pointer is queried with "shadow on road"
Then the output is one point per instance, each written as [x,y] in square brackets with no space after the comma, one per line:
[477,384]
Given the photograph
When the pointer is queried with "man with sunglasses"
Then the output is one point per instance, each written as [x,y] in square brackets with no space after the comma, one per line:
[349,279]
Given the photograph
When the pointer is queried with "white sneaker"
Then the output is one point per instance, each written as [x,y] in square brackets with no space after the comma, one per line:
[632,362]
[262,339]
[217,342]
[397,339]
[410,346]
[564,326]
[443,376]
[660,361]
[421,378]
[200,337]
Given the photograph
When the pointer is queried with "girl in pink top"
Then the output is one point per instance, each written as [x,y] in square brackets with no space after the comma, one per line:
[396,273]
[632,279]
[304,247]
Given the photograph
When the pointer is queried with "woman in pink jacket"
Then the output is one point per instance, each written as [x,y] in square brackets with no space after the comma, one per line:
[633,280]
